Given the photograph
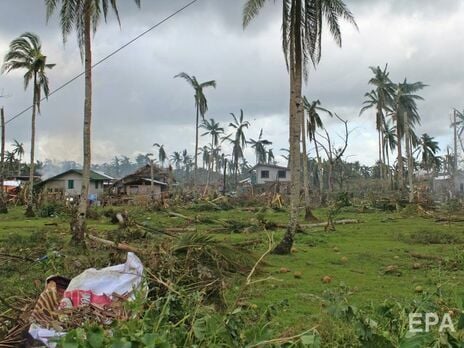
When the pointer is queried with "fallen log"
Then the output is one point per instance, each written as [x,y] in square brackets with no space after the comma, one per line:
[338,222]
[425,257]
[119,246]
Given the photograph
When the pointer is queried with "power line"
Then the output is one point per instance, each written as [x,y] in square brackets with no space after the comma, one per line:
[107,57]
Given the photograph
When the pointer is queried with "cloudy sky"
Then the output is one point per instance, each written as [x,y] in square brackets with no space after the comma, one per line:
[137,102]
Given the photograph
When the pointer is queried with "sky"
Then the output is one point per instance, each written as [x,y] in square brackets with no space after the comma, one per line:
[137,102]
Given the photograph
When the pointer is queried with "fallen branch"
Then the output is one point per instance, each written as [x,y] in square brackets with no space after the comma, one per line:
[120,246]
[338,222]
[425,257]
[23,258]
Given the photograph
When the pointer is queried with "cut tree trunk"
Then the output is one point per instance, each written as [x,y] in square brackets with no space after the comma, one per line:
[78,224]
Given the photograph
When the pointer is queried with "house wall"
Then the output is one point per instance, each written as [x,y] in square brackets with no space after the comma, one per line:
[61,185]
[272,175]
[133,190]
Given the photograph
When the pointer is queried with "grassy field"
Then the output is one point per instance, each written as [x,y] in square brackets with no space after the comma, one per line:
[387,256]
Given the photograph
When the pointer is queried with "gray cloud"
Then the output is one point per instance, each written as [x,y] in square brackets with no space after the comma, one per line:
[137,102]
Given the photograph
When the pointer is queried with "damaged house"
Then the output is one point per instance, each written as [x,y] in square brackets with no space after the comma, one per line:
[139,183]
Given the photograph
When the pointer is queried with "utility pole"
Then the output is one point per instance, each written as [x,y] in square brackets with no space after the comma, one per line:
[407,139]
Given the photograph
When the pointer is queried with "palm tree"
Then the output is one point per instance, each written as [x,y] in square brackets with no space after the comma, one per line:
[201,105]
[389,141]
[239,141]
[405,106]
[427,151]
[301,40]
[212,128]
[161,153]
[260,147]
[270,157]
[18,151]
[83,16]
[312,123]
[380,98]
[26,53]
[176,159]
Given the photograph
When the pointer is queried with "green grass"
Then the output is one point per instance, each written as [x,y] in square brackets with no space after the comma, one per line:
[380,240]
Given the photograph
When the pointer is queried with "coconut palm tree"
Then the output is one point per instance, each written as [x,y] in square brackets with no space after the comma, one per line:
[260,147]
[201,106]
[18,152]
[25,53]
[162,157]
[427,151]
[238,140]
[389,140]
[270,157]
[83,16]
[212,128]
[379,99]
[302,26]
[405,107]
[176,159]
[312,122]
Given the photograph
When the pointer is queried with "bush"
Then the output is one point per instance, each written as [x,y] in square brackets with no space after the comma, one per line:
[51,209]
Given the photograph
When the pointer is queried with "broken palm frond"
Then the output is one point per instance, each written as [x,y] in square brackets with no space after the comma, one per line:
[196,262]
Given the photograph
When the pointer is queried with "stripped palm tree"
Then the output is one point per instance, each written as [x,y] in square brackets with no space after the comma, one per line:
[427,152]
[260,147]
[314,122]
[162,157]
[201,106]
[389,142]
[302,26]
[176,159]
[18,151]
[404,109]
[213,129]
[380,98]
[238,141]
[83,16]
[25,53]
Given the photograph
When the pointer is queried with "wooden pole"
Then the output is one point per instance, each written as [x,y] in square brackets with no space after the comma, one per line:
[152,179]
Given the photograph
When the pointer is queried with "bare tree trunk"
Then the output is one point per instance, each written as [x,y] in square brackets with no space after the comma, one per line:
[152,178]
[3,207]
[380,155]
[296,111]
[309,216]
[400,155]
[78,224]
[455,159]
[30,201]
[196,146]
[320,172]
[409,154]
